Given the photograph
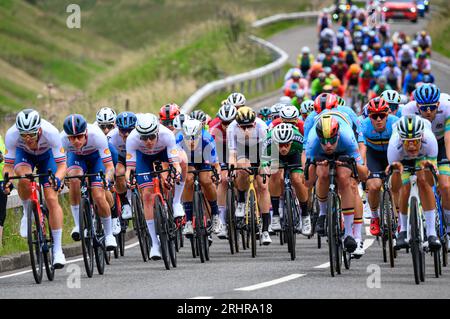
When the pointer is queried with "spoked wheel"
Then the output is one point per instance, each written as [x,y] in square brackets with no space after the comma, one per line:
[35,242]
[347,259]
[99,247]
[289,230]
[200,232]
[161,230]
[232,233]
[444,251]
[48,247]
[121,242]
[334,247]
[87,236]
[253,226]
[138,223]
[389,217]
[415,241]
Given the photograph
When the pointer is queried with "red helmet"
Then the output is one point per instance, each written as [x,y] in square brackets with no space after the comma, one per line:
[169,112]
[378,105]
[325,101]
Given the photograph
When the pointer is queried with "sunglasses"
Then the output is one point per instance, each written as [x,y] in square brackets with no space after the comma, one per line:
[246,127]
[167,122]
[76,137]
[325,141]
[125,132]
[428,107]
[106,126]
[375,116]
[285,145]
[29,135]
[150,137]
[393,106]
[415,141]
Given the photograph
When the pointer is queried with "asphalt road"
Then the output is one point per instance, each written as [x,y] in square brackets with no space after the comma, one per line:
[270,275]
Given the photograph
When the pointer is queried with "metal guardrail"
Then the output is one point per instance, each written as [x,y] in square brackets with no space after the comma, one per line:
[284,16]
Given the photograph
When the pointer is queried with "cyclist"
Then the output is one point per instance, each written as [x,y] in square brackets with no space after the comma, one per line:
[314,71]
[167,114]
[411,79]
[337,88]
[406,56]
[377,130]
[88,152]
[290,88]
[393,75]
[264,114]
[125,123]
[330,59]
[427,76]
[178,122]
[380,86]
[324,21]
[236,99]
[106,119]
[300,96]
[393,99]
[424,42]
[226,115]
[201,116]
[275,111]
[306,108]
[284,145]
[340,69]
[305,60]
[318,84]
[289,114]
[34,142]
[200,148]
[351,57]
[422,62]
[414,143]
[245,137]
[147,143]
[365,79]
[333,136]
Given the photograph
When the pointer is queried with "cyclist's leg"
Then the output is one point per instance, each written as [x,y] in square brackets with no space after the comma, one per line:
[263,202]
[210,191]
[276,189]
[347,193]
[242,184]
[179,188]
[222,197]
[427,200]
[76,166]
[444,184]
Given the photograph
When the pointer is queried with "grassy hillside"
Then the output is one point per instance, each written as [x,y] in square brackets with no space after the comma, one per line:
[439,27]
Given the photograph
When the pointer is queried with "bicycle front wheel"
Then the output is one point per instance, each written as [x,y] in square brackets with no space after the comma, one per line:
[99,246]
[390,224]
[415,239]
[138,215]
[87,236]
[48,246]
[35,242]
[232,233]
[253,226]
[200,232]
[161,230]
[334,250]
[289,227]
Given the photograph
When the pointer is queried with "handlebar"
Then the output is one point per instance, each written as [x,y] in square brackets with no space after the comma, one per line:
[82,177]
[30,177]
[342,158]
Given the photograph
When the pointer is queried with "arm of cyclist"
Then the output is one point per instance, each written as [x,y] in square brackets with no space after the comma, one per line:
[447,138]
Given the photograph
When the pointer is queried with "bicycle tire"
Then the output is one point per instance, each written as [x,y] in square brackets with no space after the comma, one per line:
[48,240]
[87,236]
[172,231]
[34,238]
[390,224]
[445,251]
[122,243]
[332,235]
[252,213]
[161,230]
[414,242]
[289,229]
[232,233]
[137,224]
[383,226]
[99,247]
[199,230]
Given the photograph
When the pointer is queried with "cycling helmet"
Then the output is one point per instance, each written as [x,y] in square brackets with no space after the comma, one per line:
[300,93]
[410,127]
[327,126]
[264,112]
[404,99]
[306,50]
[198,115]
[147,124]
[378,105]
[283,133]
[377,59]
[427,94]
[179,120]
[126,120]
[341,101]
[286,100]
[227,113]
[355,69]
[28,121]
[391,96]
[169,111]
[245,116]
[236,99]
[224,102]
[192,128]
[275,109]
[289,112]
[325,101]
[74,124]
[335,83]
[296,74]
[307,107]
[106,115]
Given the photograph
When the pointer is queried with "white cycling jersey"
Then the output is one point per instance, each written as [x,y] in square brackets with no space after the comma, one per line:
[96,141]
[48,139]
[441,123]
[166,141]
[236,136]
[117,141]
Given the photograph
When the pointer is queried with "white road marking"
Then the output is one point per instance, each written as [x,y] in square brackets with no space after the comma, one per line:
[270,283]
[203,297]
[68,262]
[325,265]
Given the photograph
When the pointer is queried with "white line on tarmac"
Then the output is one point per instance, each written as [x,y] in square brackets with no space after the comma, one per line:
[270,283]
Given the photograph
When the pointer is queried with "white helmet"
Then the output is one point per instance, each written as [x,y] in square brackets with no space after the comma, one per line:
[391,96]
[28,120]
[377,59]
[147,124]
[192,128]
[404,99]
[289,112]
[227,112]
[275,109]
[300,93]
[414,43]
[283,133]
[410,126]
[106,115]
[306,50]
[179,120]
[307,107]
[236,99]
[285,100]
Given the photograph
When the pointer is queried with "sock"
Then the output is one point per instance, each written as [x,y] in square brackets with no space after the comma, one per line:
[447,219]
[222,214]
[266,222]
[403,221]
[152,231]
[323,208]
[107,225]
[304,208]
[26,205]
[188,210]
[430,219]
[241,196]
[57,234]
[214,207]
[374,213]
[123,199]
[129,196]
[357,227]
[76,214]
[349,214]
[178,192]
[275,203]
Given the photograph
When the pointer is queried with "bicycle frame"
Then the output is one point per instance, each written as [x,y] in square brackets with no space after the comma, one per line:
[247,201]
[414,193]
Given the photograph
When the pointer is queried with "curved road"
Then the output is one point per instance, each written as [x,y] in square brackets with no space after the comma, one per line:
[270,275]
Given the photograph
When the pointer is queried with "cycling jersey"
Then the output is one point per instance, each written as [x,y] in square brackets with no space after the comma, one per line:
[378,140]
[204,152]
[299,124]
[116,140]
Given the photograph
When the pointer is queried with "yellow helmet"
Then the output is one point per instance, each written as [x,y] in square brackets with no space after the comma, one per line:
[245,116]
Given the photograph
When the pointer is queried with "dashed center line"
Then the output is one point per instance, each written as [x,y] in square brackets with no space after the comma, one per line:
[270,283]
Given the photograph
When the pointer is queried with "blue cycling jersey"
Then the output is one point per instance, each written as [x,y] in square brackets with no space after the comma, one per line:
[345,111]
[204,152]
[346,143]
[378,141]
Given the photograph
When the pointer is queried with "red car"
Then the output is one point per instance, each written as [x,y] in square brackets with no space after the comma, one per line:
[400,9]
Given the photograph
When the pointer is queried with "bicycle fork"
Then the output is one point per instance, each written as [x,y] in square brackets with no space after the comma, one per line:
[414,193]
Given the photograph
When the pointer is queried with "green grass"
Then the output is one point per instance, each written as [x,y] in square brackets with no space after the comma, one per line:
[274,28]
[439,27]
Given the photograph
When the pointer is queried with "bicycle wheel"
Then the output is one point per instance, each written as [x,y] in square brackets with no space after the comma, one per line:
[444,250]
[137,224]
[122,238]
[200,231]
[161,230]
[99,246]
[252,221]
[48,246]
[289,229]
[232,233]
[333,235]
[388,220]
[35,242]
[415,239]
[193,246]
[87,236]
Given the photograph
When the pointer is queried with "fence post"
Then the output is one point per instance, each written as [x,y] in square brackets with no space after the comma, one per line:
[127,105]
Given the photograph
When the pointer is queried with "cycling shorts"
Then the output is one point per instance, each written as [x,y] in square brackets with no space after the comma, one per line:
[42,162]
[89,164]
[376,161]
[144,164]
[443,169]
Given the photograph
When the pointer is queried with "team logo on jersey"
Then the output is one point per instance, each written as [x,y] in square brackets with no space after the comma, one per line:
[128,156]
[107,151]
[6,152]
[62,150]
[174,152]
